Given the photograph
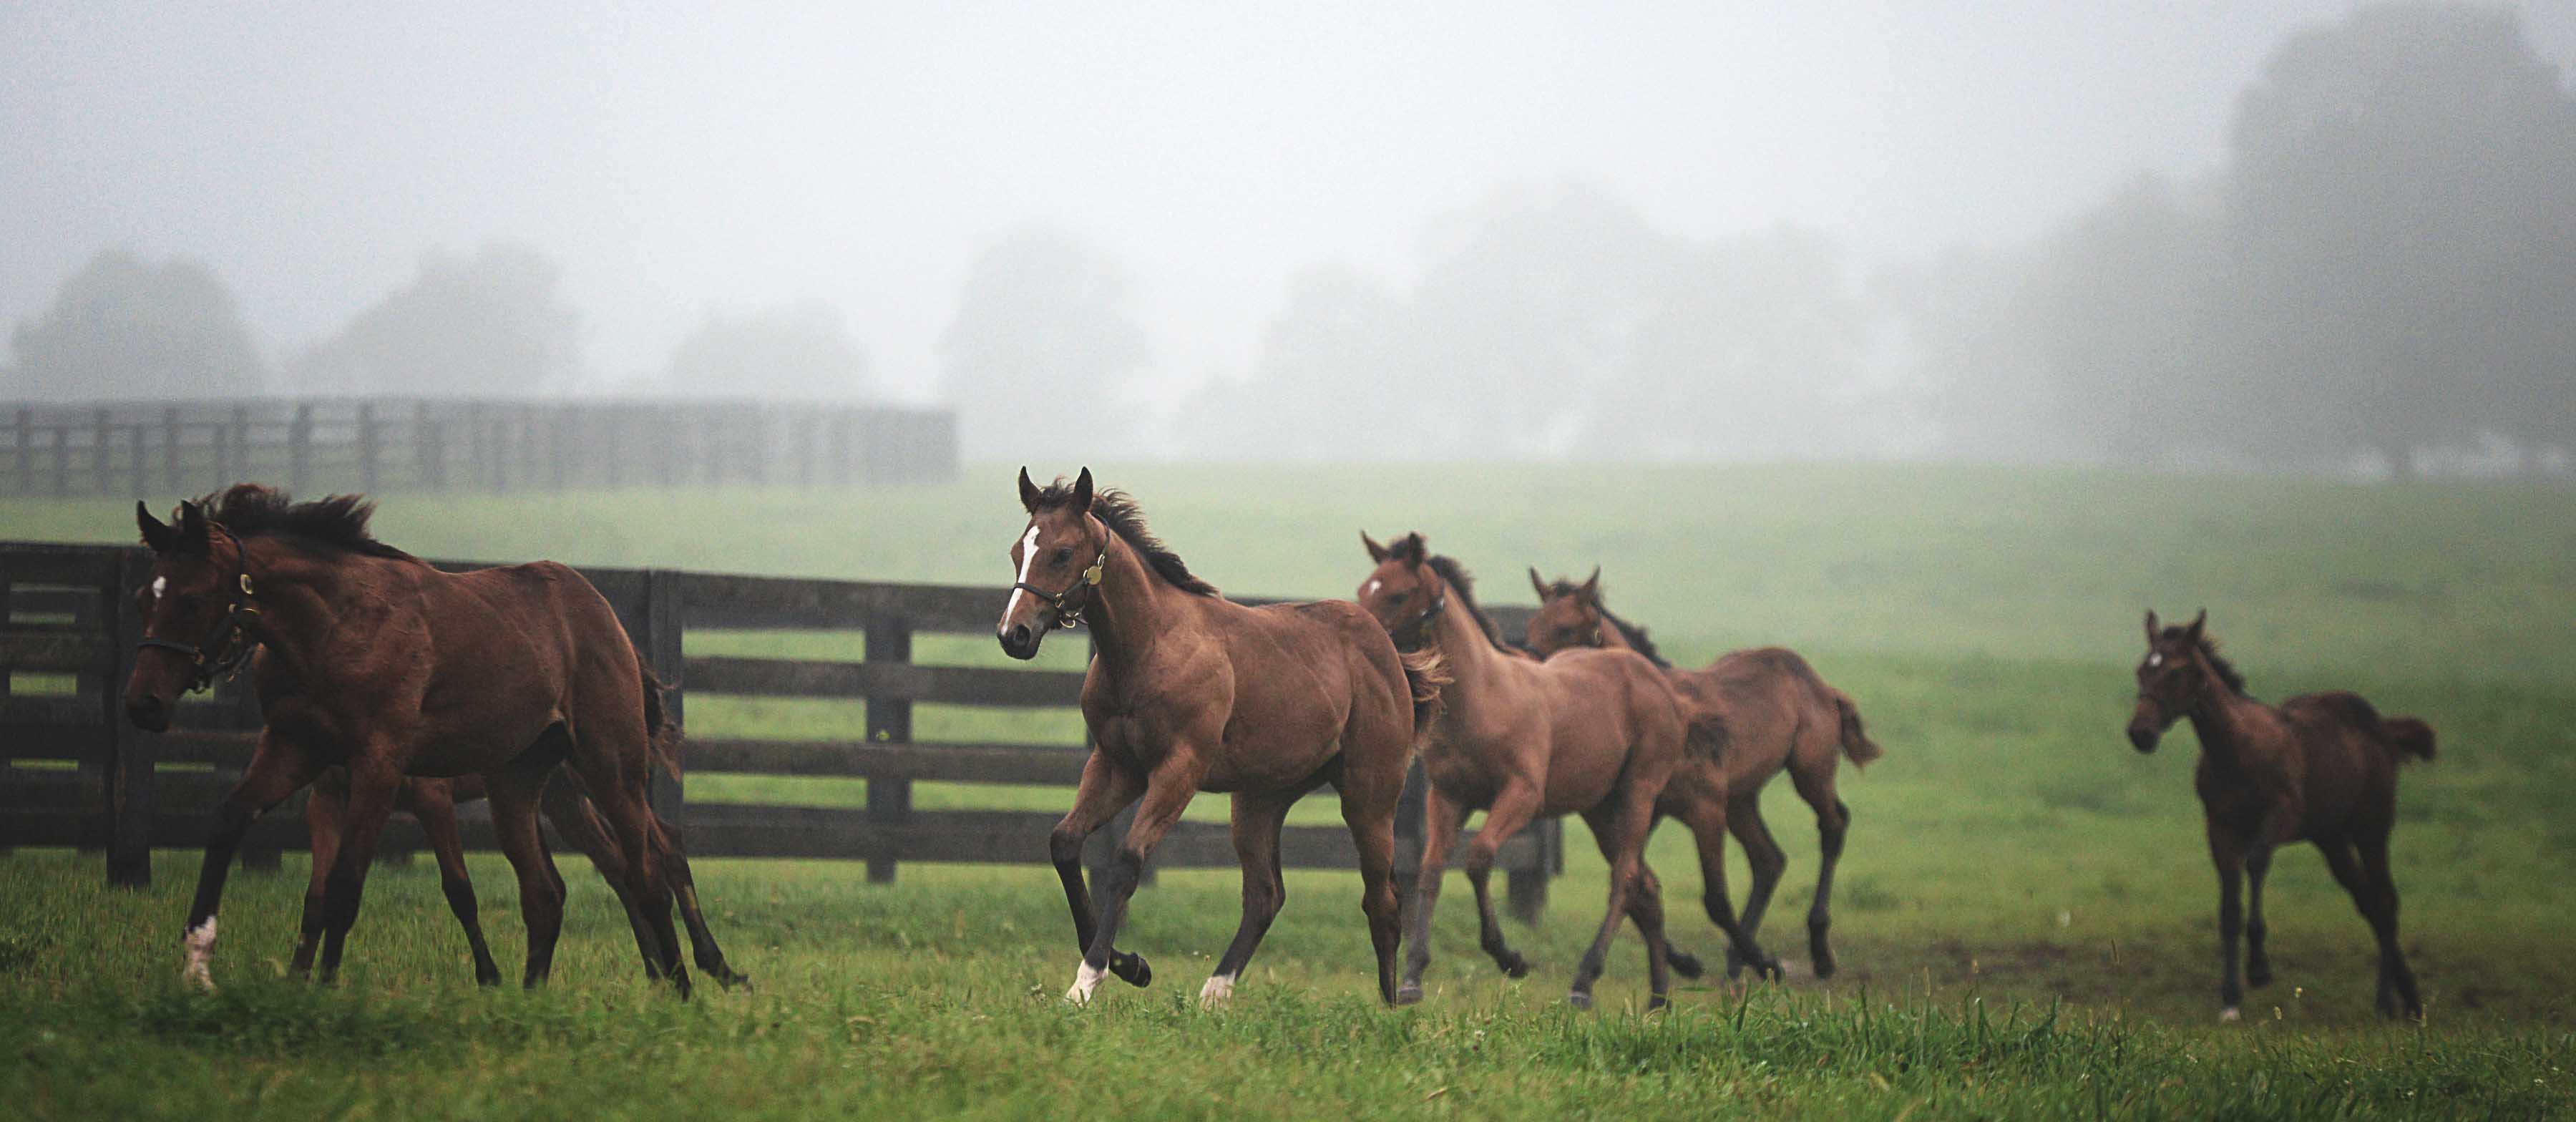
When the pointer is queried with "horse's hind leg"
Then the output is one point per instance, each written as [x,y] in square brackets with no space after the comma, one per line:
[1105,790]
[541,888]
[617,785]
[2258,964]
[1833,820]
[1257,819]
[1708,821]
[323,810]
[434,803]
[578,822]
[2393,971]
[1369,798]
[371,802]
[1762,853]
[684,889]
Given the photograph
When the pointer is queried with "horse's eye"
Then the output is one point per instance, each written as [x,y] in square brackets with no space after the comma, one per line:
[1063,553]
[186,603]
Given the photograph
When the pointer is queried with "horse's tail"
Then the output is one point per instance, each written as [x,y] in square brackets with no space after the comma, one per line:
[660,731]
[2407,736]
[1857,746]
[1425,672]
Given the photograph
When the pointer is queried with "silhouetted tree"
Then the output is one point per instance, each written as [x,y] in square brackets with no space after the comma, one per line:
[123,327]
[802,355]
[1045,350]
[490,324]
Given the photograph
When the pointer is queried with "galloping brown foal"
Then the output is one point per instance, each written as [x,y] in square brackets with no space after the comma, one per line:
[1192,692]
[1596,733]
[376,662]
[1779,715]
[2320,768]
[433,802]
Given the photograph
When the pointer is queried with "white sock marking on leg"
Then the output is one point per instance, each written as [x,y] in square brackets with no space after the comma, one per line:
[2229,1014]
[201,953]
[1218,990]
[1085,980]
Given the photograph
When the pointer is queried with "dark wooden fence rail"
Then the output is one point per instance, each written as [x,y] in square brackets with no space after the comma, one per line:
[68,632]
[158,449]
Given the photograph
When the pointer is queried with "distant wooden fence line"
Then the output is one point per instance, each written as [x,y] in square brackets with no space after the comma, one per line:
[159,449]
[68,634]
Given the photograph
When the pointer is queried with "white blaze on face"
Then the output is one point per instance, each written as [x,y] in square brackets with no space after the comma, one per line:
[1085,981]
[201,953]
[1374,583]
[159,585]
[2155,658]
[1028,559]
[1218,990]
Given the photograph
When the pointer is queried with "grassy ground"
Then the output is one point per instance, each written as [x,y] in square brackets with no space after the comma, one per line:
[2024,916]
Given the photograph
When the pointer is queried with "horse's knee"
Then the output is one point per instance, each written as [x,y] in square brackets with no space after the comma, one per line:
[1477,859]
[1064,847]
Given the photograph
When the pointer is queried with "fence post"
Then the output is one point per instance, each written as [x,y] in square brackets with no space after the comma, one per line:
[142,479]
[299,448]
[237,447]
[170,466]
[367,446]
[1525,890]
[26,474]
[665,619]
[888,639]
[129,753]
[98,442]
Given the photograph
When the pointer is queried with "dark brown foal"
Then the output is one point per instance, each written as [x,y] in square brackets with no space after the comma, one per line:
[1780,715]
[1191,692]
[2319,768]
[375,661]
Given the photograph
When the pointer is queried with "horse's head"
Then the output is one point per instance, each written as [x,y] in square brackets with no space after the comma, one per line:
[1404,591]
[1569,614]
[194,609]
[1060,556]
[2170,680]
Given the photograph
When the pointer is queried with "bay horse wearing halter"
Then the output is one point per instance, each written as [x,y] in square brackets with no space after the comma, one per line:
[1191,692]
[376,662]
[2319,768]
[1595,733]
[1779,715]
[433,803]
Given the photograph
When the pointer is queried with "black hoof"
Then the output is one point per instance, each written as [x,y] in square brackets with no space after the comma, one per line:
[1657,1004]
[730,979]
[1579,999]
[1407,994]
[1514,966]
[1824,967]
[1769,970]
[1132,969]
[2258,974]
[487,981]
[1685,965]
[1734,964]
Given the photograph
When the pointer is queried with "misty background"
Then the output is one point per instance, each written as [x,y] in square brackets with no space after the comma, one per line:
[2287,235]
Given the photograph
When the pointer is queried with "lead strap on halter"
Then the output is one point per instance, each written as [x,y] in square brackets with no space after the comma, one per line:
[1069,617]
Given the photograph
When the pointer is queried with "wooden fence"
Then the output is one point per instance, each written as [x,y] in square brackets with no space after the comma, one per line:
[68,635]
[162,449]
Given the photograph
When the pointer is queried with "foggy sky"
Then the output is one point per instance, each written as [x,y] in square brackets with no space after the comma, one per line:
[683,160]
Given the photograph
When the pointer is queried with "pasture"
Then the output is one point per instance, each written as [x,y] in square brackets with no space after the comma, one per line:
[2025,915]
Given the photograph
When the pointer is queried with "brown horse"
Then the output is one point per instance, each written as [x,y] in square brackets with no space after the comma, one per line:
[1191,692]
[2319,768]
[1779,715]
[1595,733]
[377,662]
[433,803]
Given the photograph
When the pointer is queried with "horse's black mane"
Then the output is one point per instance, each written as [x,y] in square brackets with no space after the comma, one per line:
[1465,584]
[1117,510]
[1634,634]
[333,522]
[2209,652]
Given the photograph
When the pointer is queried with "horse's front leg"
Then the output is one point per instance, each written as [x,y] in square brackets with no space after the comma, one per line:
[373,786]
[1442,820]
[277,769]
[1514,806]
[2227,852]
[1106,789]
[1167,794]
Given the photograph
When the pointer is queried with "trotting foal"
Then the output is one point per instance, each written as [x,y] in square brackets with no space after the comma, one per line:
[1192,692]
[1780,715]
[2320,768]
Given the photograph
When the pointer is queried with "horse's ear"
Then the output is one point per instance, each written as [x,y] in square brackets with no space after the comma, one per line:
[1377,553]
[1592,587]
[192,529]
[1028,491]
[1413,550]
[1538,584]
[156,533]
[1082,492]
[2152,629]
[2193,632]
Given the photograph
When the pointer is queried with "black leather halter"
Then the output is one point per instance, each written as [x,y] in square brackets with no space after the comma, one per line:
[1414,631]
[230,644]
[1067,613]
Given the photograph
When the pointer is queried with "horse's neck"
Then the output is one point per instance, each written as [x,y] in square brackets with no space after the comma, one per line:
[1130,610]
[298,596]
[1474,663]
[2222,722]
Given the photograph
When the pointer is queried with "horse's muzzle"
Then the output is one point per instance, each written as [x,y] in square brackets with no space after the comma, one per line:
[2143,737]
[149,713]
[1019,640]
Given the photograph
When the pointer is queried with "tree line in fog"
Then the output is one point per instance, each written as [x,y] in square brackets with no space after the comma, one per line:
[2383,271]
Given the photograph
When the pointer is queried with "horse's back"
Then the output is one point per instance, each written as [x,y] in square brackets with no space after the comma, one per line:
[2350,765]
[1774,705]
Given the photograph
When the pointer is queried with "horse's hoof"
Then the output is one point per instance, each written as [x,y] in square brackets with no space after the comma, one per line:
[1579,999]
[2258,974]
[1514,966]
[1132,969]
[1685,965]
[487,981]
[1408,994]
[1824,967]
[2230,1015]
[1658,1003]
[1770,970]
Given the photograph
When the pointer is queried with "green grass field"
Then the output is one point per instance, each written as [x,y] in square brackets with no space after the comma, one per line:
[2025,915]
